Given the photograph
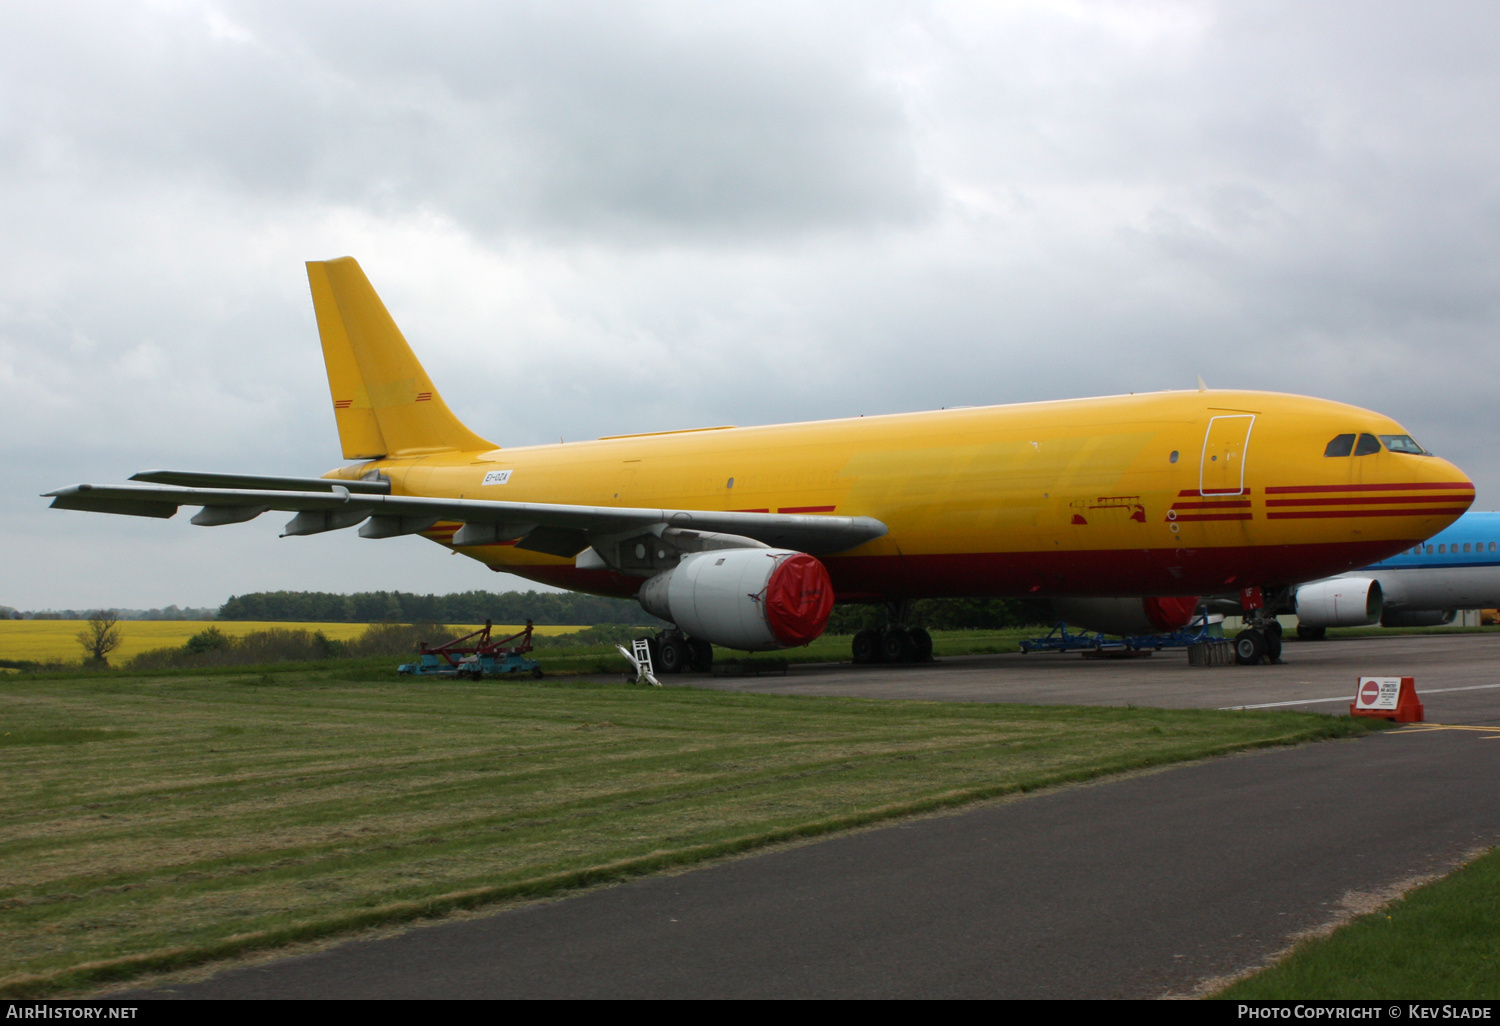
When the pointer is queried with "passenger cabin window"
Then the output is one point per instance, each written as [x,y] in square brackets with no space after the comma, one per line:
[1343,445]
[1429,550]
[1466,546]
[1368,445]
[1403,443]
[1492,546]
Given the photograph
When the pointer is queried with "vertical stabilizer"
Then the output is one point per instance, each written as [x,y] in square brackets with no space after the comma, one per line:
[383,400]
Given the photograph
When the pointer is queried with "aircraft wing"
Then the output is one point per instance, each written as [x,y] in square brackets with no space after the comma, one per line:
[558,529]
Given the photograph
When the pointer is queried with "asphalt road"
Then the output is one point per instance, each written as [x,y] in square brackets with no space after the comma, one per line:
[1134,887]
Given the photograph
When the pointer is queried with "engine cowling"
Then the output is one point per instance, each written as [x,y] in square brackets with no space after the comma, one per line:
[751,599]
[1151,615]
[1419,618]
[1340,602]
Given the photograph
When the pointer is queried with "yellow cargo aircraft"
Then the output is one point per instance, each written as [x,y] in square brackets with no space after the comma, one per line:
[1123,508]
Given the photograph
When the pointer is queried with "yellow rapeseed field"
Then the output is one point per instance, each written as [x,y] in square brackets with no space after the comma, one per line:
[46,640]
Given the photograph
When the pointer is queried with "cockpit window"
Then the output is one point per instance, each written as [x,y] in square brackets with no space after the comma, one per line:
[1403,443]
[1343,445]
[1368,445]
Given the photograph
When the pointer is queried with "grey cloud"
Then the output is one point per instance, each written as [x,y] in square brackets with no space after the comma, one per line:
[588,119]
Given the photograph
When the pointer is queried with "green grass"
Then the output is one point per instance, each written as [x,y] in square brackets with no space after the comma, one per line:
[149,823]
[1441,941]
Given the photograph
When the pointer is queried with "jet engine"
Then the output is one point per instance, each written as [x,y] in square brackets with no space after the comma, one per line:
[752,599]
[1419,618]
[1150,615]
[1339,602]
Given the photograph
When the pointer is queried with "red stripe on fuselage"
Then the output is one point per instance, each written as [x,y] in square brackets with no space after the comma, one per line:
[1367,500]
[1425,486]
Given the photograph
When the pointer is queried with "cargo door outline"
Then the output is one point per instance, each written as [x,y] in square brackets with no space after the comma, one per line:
[1221,468]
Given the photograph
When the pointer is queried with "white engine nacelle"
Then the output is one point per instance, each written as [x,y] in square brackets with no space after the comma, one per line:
[1340,602]
[751,599]
[1127,615]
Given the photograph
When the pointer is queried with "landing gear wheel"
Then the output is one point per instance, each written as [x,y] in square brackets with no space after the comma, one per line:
[1306,633]
[866,647]
[921,643]
[1249,647]
[1273,644]
[703,656]
[896,645]
[674,655]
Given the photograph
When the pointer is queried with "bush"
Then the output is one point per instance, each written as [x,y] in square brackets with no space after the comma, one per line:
[209,640]
[589,637]
[212,647]
[398,639]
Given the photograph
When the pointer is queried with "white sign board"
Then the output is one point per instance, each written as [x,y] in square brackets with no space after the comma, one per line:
[497,477]
[1377,693]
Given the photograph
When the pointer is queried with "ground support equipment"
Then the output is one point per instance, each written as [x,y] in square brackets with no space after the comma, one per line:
[1059,640]
[484,658]
[639,657]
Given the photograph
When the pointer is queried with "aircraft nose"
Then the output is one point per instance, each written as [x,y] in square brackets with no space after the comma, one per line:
[1449,488]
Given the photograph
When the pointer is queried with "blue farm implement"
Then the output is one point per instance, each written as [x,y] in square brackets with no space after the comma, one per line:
[482,658]
[1059,640]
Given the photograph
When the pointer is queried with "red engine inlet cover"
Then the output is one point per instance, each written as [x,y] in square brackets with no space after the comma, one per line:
[1168,614]
[799,597]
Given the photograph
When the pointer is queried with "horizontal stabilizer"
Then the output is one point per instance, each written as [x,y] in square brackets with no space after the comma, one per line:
[196,479]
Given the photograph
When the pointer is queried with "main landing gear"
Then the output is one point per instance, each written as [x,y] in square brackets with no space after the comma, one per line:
[674,652]
[895,642]
[1259,643]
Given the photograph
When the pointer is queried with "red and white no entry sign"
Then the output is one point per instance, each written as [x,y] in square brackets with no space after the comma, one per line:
[1391,698]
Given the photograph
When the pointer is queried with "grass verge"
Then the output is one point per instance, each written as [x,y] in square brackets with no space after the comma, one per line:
[154,823]
[1440,942]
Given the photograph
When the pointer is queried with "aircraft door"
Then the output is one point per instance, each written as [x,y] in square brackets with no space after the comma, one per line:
[1222,469]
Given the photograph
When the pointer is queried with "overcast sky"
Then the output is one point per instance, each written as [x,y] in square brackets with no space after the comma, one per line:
[600,218]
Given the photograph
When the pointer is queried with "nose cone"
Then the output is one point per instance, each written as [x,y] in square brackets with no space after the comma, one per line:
[1448,490]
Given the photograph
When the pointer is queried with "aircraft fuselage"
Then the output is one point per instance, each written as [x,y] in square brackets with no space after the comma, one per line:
[1173,493]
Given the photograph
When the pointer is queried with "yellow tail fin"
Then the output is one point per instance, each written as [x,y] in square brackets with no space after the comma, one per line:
[383,400]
